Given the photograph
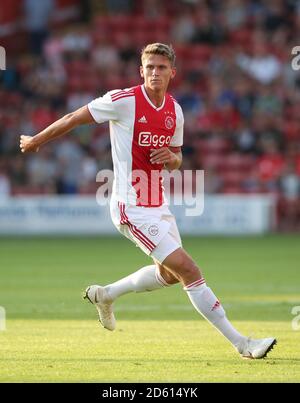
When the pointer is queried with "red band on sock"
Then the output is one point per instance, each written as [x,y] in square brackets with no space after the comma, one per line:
[196,283]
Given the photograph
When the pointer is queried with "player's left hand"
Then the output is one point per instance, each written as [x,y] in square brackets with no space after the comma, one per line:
[162,156]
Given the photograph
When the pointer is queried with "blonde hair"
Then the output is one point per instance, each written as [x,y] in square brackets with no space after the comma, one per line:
[159,49]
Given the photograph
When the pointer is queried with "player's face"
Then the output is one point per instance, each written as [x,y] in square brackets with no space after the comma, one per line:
[157,72]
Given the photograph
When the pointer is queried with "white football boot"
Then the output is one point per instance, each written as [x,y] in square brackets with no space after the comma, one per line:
[256,348]
[98,296]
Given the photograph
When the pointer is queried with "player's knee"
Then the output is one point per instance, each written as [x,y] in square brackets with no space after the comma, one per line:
[183,266]
[191,269]
[167,276]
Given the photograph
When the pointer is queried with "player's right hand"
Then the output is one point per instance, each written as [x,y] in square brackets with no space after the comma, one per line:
[27,144]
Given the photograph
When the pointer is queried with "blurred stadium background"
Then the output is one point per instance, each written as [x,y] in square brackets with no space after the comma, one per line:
[235,83]
[241,102]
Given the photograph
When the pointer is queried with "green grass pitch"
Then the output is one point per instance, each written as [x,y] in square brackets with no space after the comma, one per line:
[52,335]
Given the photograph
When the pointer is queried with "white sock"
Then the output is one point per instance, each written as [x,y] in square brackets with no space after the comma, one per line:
[207,304]
[147,278]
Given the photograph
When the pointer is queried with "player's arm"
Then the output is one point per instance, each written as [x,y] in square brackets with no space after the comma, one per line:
[60,127]
[170,156]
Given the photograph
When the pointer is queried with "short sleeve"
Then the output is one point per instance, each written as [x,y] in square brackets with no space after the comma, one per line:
[103,109]
[177,139]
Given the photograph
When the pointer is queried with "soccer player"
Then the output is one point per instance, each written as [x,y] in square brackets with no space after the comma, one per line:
[146,130]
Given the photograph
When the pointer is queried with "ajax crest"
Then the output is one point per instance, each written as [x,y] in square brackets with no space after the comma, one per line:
[169,122]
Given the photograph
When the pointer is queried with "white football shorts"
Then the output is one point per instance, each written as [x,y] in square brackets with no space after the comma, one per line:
[152,229]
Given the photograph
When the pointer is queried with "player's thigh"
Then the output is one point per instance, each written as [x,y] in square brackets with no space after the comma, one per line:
[173,230]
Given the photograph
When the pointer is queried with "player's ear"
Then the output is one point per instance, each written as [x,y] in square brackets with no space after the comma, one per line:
[174,71]
[141,71]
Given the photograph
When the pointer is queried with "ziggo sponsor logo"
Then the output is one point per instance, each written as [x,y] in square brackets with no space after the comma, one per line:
[147,139]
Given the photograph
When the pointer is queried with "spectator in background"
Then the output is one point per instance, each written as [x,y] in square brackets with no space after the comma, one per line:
[245,139]
[69,155]
[126,50]
[10,77]
[153,9]
[54,50]
[184,27]
[244,96]
[251,182]
[208,30]
[42,169]
[269,101]
[270,166]
[276,15]
[77,42]
[42,81]
[18,172]
[189,99]
[213,181]
[5,187]
[290,200]
[235,14]
[118,6]
[88,173]
[77,99]
[290,183]
[42,115]
[105,56]
[85,10]
[38,14]
[262,65]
